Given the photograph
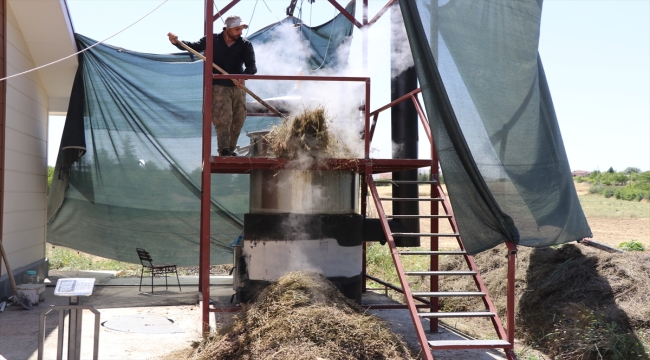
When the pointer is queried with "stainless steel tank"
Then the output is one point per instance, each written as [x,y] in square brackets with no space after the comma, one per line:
[304,192]
[301,220]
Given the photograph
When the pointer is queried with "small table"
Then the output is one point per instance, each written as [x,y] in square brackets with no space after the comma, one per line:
[74,288]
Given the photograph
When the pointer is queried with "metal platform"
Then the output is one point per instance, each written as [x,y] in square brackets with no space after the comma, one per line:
[244,164]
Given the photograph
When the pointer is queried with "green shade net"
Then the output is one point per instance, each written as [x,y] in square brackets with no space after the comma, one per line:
[493,121]
[128,172]
[325,46]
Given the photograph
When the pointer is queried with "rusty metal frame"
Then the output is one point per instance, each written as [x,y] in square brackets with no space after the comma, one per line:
[436,191]
[3,111]
[334,3]
[365,166]
[244,164]
[419,330]
[487,301]
[204,230]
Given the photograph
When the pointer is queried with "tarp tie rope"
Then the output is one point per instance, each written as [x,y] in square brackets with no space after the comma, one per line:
[86,49]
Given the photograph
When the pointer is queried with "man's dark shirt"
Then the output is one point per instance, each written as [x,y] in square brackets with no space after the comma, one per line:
[231,58]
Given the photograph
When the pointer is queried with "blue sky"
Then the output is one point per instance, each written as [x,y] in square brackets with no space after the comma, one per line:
[596,54]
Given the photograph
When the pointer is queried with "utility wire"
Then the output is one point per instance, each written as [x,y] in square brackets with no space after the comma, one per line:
[220,17]
[251,20]
[272,13]
[86,49]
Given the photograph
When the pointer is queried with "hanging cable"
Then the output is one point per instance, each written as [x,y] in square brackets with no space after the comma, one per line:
[216,8]
[311,8]
[253,14]
[328,42]
[86,49]
[267,6]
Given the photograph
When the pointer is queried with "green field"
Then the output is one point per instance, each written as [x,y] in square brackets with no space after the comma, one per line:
[596,205]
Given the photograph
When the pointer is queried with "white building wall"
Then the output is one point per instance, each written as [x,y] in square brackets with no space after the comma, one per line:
[25,155]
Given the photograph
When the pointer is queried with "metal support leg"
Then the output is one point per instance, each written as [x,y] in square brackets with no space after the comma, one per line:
[74,330]
[75,317]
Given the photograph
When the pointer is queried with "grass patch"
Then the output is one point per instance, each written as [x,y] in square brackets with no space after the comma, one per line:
[632,245]
[380,264]
[596,206]
[61,258]
[65,259]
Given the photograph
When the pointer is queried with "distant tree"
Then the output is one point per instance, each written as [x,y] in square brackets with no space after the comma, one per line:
[607,178]
[631,170]
[620,178]
[644,177]
[610,170]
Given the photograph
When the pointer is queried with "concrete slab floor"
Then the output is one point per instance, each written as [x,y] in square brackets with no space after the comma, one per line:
[117,298]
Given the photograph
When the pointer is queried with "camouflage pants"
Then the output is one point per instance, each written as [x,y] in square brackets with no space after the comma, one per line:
[228,115]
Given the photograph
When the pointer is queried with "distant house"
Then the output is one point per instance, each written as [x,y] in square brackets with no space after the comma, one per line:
[579,173]
[35,33]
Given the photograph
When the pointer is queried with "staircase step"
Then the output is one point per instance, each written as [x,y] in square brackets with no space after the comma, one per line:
[425,234]
[412,199]
[449,294]
[419,216]
[432,252]
[439,315]
[405,182]
[468,344]
[431,273]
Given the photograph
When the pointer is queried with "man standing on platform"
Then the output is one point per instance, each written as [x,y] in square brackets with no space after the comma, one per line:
[235,55]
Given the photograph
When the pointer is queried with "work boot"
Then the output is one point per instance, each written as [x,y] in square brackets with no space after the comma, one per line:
[224,152]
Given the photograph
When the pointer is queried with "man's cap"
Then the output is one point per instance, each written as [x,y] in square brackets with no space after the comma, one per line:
[234,21]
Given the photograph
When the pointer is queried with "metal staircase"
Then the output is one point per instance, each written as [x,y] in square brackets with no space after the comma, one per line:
[505,339]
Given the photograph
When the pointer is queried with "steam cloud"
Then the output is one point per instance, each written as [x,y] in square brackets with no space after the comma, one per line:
[340,99]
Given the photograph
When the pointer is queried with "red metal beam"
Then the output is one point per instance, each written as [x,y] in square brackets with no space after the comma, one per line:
[345,13]
[292,77]
[425,122]
[204,231]
[434,284]
[366,120]
[397,101]
[434,224]
[424,301]
[3,111]
[372,128]
[223,11]
[244,164]
[472,265]
[510,315]
[375,114]
[381,12]
[419,330]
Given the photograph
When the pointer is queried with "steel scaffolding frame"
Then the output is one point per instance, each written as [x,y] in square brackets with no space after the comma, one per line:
[366,167]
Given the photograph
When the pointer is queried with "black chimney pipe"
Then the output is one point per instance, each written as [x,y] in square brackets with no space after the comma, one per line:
[404,132]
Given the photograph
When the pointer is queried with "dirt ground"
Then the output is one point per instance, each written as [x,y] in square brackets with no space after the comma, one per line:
[613,231]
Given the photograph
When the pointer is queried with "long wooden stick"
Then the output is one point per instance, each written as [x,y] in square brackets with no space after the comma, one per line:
[237,83]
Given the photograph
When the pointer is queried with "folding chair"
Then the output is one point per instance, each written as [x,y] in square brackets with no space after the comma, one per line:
[158,269]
